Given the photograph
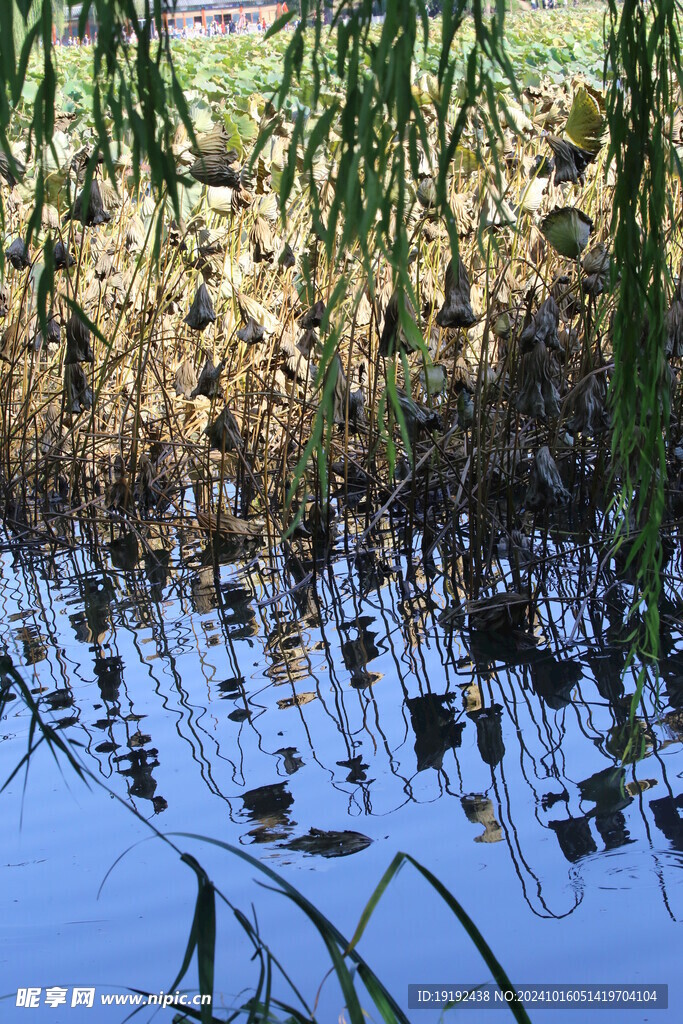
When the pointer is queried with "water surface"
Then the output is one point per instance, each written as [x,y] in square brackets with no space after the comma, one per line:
[323,718]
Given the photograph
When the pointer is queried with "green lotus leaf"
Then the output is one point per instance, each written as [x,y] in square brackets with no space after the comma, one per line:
[200,113]
[246,127]
[585,124]
[58,153]
[54,187]
[434,379]
[29,92]
[189,198]
[465,161]
[73,89]
[567,230]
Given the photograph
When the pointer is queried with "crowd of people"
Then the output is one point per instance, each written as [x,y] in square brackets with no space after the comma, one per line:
[235,23]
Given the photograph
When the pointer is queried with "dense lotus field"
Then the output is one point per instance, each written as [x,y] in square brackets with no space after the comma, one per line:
[190,386]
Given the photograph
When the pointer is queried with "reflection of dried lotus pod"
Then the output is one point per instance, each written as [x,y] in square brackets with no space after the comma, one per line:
[500,613]
[208,384]
[185,379]
[546,489]
[217,170]
[76,389]
[226,525]
[95,212]
[516,548]
[262,241]
[393,335]
[587,404]
[119,496]
[456,310]
[18,254]
[596,268]
[542,328]
[570,161]
[479,810]
[538,396]
[490,734]
[252,332]
[201,311]
[224,434]
[145,493]
[78,348]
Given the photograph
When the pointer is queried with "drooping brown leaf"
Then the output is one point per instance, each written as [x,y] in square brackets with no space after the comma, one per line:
[216,169]
[229,525]
[201,312]
[456,310]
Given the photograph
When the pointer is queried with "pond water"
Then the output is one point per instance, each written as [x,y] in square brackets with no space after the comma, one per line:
[322,723]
